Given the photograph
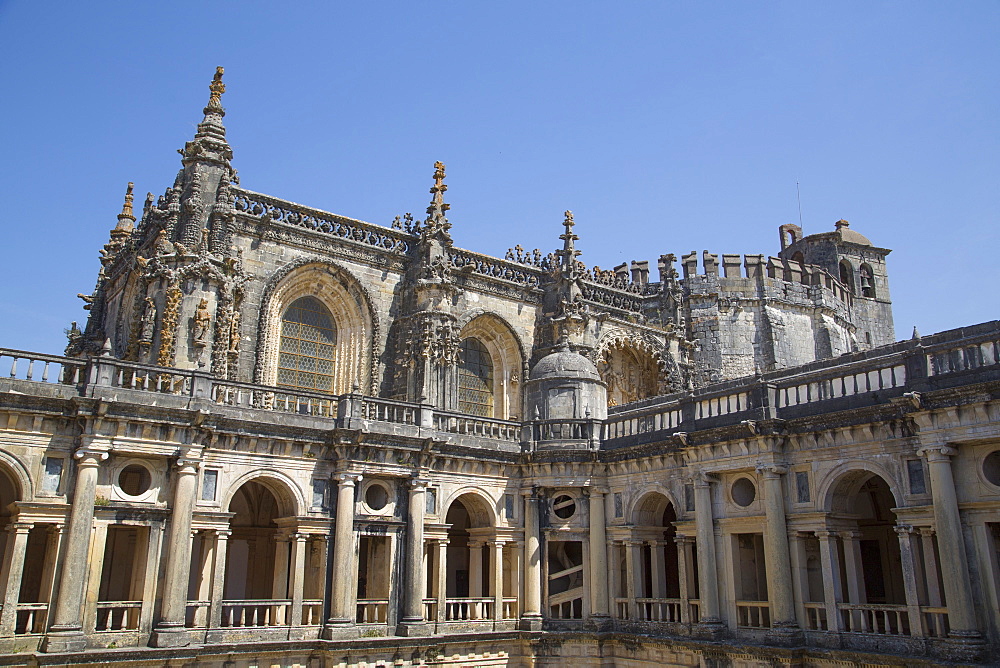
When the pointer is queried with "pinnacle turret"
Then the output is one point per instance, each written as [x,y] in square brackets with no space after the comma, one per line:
[121,231]
[209,142]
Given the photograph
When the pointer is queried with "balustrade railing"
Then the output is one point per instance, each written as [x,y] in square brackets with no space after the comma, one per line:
[31,618]
[659,609]
[466,609]
[816,616]
[565,430]
[197,614]
[385,410]
[511,610]
[484,265]
[312,612]
[935,620]
[753,614]
[460,423]
[875,618]
[622,608]
[302,402]
[118,615]
[43,368]
[373,611]
[256,613]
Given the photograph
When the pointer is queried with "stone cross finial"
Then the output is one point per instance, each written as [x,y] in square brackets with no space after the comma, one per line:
[217,88]
[438,190]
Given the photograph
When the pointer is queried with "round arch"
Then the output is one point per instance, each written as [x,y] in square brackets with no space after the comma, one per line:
[480,505]
[633,367]
[650,504]
[507,353]
[840,486]
[349,304]
[18,474]
[286,491]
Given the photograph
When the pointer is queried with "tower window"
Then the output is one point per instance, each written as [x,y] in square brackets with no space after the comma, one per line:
[475,379]
[847,275]
[308,345]
[867,281]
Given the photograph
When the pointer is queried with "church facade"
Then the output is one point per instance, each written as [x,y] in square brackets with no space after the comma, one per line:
[285,435]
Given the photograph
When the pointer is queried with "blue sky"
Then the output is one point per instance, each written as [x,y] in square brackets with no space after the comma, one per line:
[664,126]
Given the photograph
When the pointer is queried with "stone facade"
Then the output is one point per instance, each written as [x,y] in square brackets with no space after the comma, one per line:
[289,436]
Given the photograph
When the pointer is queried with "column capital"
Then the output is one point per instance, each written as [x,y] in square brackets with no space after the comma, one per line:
[442,542]
[476,544]
[89,456]
[772,471]
[703,478]
[937,453]
[598,491]
[497,542]
[825,534]
[656,543]
[850,535]
[927,531]
[683,540]
[419,484]
[903,529]
[19,527]
[348,479]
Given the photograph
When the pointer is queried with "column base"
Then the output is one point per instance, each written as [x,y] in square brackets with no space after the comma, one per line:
[531,623]
[786,634]
[965,646]
[709,629]
[169,635]
[413,628]
[66,639]
[337,629]
[600,622]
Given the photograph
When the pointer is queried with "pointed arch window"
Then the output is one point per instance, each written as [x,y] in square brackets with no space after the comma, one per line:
[475,379]
[308,346]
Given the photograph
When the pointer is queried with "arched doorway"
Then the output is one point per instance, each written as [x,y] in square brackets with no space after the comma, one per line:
[257,562]
[470,574]
[660,576]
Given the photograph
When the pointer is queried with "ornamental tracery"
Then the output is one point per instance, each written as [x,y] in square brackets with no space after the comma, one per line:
[634,368]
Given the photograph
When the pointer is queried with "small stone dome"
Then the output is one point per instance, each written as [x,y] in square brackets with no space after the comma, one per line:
[849,235]
[564,364]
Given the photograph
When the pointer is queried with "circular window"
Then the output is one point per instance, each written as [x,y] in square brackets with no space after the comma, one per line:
[744,492]
[134,480]
[376,496]
[564,506]
[991,467]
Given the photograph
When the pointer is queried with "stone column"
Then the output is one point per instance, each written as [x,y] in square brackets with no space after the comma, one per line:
[343,606]
[657,568]
[442,580]
[784,627]
[829,558]
[852,567]
[683,560]
[930,567]
[633,571]
[531,613]
[297,572]
[800,579]
[710,625]
[66,632]
[496,577]
[10,575]
[475,569]
[966,638]
[598,557]
[279,576]
[170,631]
[909,565]
[218,577]
[413,596]
[51,560]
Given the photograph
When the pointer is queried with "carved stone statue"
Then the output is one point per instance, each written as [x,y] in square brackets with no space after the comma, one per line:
[202,323]
[148,322]
[234,333]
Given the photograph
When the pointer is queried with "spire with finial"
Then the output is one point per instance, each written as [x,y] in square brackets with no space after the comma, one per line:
[209,142]
[121,231]
[568,254]
[436,221]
